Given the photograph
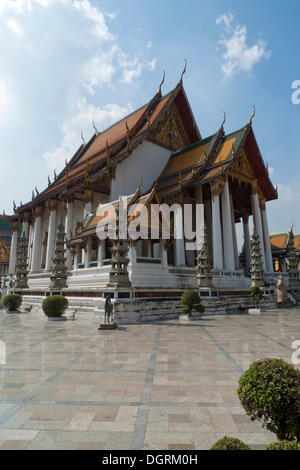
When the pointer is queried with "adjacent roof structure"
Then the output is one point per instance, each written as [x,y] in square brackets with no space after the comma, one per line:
[212,157]
[279,242]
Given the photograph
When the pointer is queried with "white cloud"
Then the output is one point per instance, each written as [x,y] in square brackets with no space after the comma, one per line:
[238,55]
[14,26]
[99,70]
[82,120]
[54,81]
[271,171]
[96,16]
[149,45]
[6,105]
[134,68]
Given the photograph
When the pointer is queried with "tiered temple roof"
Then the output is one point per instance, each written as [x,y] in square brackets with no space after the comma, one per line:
[279,242]
[94,161]
[213,157]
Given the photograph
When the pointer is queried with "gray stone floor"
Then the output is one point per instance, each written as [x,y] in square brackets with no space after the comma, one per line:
[65,385]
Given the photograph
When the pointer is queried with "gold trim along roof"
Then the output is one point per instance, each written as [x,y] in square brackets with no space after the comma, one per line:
[105,150]
[211,158]
[279,241]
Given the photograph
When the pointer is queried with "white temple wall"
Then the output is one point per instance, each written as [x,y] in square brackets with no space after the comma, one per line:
[146,161]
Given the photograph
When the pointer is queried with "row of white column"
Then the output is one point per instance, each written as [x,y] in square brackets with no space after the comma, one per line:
[225,251]
[35,235]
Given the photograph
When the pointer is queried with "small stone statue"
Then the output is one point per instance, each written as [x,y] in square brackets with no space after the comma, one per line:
[108,310]
[281,291]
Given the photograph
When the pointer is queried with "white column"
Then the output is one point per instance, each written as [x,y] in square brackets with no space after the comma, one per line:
[88,253]
[266,234]
[258,225]
[132,253]
[101,252]
[76,257]
[13,250]
[179,241]
[51,237]
[30,239]
[68,228]
[36,250]
[200,219]
[25,227]
[216,229]
[235,244]
[247,243]
[229,260]
[164,253]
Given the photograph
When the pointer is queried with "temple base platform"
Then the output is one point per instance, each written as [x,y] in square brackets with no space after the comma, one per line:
[135,306]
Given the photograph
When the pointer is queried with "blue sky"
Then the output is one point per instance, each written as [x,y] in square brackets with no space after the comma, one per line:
[65,62]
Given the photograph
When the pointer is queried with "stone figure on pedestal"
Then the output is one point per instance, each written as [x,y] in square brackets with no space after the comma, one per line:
[281,291]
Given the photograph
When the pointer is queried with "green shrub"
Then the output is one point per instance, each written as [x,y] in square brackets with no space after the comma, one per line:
[55,305]
[270,392]
[256,295]
[12,302]
[229,443]
[191,300]
[284,445]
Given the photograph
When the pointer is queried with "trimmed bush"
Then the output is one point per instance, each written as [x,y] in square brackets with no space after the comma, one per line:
[55,305]
[284,445]
[229,443]
[270,392]
[256,295]
[191,300]
[12,302]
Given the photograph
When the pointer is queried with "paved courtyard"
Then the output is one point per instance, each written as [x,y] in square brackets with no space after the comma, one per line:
[65,385]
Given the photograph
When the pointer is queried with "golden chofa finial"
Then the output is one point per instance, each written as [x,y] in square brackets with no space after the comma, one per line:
[141,183]
[292,228]
[128,137]
[82,138]
[148,118]
[224,119]
[49,181]
[32,196]
[107,154]
[14,206]
[252,116]
[55,175]
[95,128]
[183,72]
[36,190]
[180,179]
[162,82]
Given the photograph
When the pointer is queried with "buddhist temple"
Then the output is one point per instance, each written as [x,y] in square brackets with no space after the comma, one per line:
[279,246]
[156,155]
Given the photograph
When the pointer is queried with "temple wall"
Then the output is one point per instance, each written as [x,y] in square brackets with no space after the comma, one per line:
[148,160]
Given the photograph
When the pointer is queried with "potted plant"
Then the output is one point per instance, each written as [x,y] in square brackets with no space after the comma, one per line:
[191,301]
[229,443]
[269,391]
[256,296]
[12,303]
[54,306]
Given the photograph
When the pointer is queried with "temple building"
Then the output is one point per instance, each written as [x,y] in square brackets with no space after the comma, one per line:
[154,155]
[279,246]
[8,226]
